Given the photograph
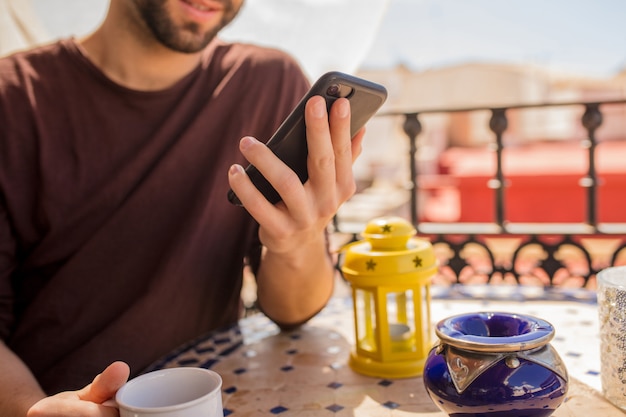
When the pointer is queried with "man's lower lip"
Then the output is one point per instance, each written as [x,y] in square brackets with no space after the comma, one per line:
[203,14]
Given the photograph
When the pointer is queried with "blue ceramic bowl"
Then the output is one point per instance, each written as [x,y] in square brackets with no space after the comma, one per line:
[495,364]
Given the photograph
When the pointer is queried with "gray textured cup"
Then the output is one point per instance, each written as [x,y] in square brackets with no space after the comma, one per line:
[612,316]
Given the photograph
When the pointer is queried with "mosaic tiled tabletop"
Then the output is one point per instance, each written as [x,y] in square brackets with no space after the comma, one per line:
[266,372]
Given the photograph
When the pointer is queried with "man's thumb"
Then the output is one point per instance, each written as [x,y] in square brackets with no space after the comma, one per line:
[106,384]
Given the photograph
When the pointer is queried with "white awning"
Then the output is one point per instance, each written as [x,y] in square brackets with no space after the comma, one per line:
[323,35]
[20,27]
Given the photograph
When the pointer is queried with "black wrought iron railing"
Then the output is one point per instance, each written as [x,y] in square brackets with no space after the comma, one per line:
[535,254]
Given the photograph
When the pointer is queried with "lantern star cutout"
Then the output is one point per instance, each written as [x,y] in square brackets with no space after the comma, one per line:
[370,265]
[386,228]
[417,261]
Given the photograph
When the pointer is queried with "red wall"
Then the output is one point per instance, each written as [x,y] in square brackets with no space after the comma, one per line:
[543,184]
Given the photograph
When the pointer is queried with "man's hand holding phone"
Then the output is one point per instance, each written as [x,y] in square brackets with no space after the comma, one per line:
[308,206]
[307,163]
[290,142]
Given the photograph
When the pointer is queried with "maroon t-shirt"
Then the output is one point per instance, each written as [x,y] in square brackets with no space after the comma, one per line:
[117,241]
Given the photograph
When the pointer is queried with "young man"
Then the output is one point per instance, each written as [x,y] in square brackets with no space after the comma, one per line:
[117,242]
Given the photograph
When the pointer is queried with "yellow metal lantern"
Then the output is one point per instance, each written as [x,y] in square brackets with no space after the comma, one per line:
[390,274]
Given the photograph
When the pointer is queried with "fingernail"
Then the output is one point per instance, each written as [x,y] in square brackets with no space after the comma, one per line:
[246,142]
[319,108]
[343,108]
[235,169]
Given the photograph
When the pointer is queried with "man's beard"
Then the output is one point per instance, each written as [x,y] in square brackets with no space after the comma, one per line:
[188,38]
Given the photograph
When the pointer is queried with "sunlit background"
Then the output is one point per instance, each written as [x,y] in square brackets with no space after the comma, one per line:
[577,36]
[430,54]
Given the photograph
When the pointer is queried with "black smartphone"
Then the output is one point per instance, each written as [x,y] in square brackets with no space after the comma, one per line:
[289,140]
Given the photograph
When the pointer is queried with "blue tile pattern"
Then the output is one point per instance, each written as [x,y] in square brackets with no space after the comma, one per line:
[230,390]
[335,408]
[392,405]
[204,351]
[278,410]
[268,372]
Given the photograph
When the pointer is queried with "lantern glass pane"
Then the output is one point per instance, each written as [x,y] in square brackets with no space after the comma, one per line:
[425,314]
[401,319]
[365,320]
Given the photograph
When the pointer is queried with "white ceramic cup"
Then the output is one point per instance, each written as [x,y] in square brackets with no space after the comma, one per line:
[173,392]
[612,316]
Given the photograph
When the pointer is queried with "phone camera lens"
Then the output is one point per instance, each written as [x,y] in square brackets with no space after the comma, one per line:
[333,90]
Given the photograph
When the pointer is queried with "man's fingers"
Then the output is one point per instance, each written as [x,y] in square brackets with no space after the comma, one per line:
[283,179]
[357,142]
[105,385]
[321,157]
[87,401]
[342,147]
[63,405]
